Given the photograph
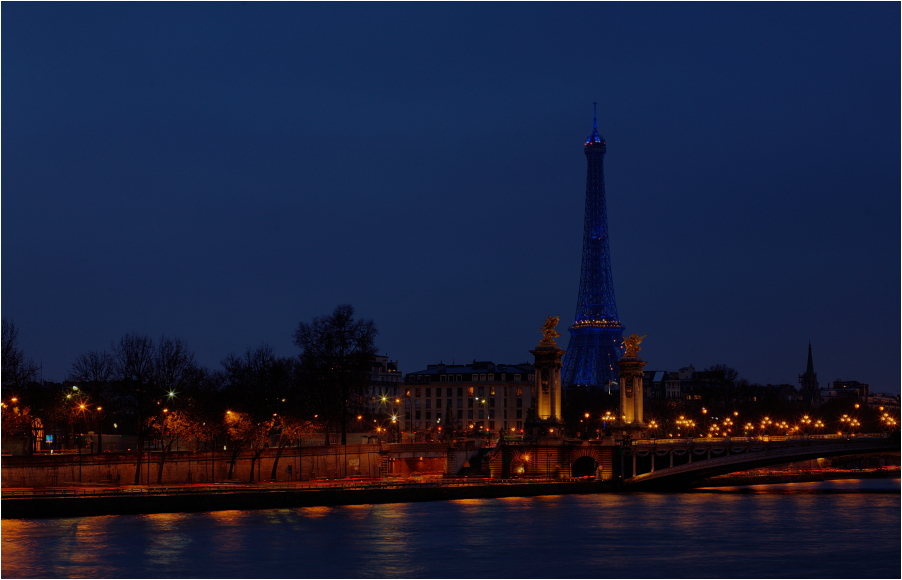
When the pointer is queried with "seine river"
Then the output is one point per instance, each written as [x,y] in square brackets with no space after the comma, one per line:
[833,529]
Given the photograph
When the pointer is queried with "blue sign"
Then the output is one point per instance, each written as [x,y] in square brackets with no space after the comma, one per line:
[49,438]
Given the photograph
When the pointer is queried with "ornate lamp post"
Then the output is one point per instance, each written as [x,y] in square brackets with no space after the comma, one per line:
[653,428]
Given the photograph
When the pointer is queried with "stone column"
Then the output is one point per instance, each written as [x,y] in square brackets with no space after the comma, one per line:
[548,419]
[631,392]
[548,382]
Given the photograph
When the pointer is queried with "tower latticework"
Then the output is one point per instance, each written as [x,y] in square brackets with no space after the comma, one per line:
[596,336]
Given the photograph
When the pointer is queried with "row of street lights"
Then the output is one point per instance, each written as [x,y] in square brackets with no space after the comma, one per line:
[725,427]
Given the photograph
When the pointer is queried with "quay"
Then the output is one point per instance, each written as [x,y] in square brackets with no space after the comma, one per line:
[19,503]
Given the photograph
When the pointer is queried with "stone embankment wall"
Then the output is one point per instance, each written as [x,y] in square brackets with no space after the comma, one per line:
[307,463]
[43,507]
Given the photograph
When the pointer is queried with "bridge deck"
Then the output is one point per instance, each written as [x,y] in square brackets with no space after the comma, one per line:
[726,455]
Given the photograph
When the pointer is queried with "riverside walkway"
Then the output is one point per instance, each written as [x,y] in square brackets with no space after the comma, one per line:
[139,499]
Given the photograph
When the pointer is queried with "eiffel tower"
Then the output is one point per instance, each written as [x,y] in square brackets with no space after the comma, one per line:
[596,335]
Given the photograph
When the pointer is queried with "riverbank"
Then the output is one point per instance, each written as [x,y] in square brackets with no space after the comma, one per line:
[139,500]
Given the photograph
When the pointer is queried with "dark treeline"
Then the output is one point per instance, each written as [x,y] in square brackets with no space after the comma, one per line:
[154,389]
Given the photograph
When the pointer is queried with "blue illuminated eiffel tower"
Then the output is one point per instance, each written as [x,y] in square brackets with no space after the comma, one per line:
[596,336]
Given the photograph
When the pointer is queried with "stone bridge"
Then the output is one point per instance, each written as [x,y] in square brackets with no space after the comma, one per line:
[675,463]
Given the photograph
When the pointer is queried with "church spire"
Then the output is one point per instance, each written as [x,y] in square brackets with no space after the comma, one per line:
[810,370]
[810,389]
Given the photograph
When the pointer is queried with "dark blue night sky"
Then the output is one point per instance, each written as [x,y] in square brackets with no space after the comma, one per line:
[220,172]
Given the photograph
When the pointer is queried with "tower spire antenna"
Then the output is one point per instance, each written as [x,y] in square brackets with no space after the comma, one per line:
[594,137]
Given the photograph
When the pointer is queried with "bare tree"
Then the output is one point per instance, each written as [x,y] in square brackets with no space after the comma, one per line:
[133,358]
[335,354]
[290,429]
[18,370]
[174,365]
[258,384]
[243,433]
[94,371]
[170,426]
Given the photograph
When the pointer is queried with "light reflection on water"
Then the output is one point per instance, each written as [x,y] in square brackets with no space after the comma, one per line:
[791,530]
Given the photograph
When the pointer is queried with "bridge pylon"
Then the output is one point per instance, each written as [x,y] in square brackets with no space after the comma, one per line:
[632,417]
[545,422]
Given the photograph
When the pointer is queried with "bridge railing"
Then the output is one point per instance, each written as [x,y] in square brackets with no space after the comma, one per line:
[758,439]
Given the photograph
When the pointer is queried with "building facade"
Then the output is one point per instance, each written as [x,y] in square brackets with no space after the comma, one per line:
[479,397]
[383,390]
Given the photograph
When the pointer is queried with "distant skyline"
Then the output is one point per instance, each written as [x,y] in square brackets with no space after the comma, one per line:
[220,172]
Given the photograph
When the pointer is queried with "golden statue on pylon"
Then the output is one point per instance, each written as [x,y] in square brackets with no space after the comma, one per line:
[632,344]
[548,331]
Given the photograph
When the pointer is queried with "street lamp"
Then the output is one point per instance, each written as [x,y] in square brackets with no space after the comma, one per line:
[653,427]
[845,420]
[805,422]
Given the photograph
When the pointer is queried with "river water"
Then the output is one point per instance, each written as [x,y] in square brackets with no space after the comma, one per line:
[832,529]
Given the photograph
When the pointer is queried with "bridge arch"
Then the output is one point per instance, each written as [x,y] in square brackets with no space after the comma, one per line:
[585,461]
[584,466]
[708,460]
